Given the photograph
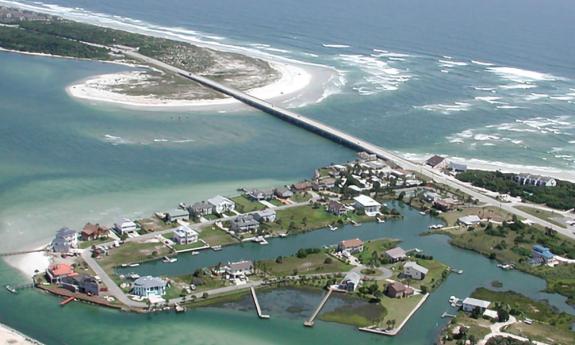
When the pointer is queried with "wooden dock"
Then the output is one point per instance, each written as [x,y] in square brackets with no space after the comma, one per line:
[310,321]
[257,303]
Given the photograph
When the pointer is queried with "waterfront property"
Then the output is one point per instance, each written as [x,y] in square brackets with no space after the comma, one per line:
[337,208]
[56,272]
[350,282]
[366,204]
[260,194]
[244,223]
[149,286]
[265,216]
[437,162]
[395,254]
[125,227]
[412,270]
[221,204]
[201,208]
[535,180]
[301,187]
[470,305]
[65,241]
[92,232]
[185,235]
[81,283]
[239,269]
[469,220]
[398,290]
[283,192]
[351,246]
[177,214]
[542,254]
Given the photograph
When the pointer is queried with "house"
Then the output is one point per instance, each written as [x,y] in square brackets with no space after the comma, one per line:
[437,162]
[55,273]
[469,220]
[300,187]
[177,214]
[283,192]
[413,270]
[395,254]
[221,205]
[324,183]
[366,156]
[457,167]
[350,282]
[201,208]
[93,232]
[185,235]
[125,226]
[244,223]
[491,314]
[265,216]
[351,246]
[259,194]
[445,204]
[398,290]
[65,241]
[431,196]
[535,180]
[239,269]
[471,304]
[337,208]
[542,254]
[369,206]
[81,283]
[149,286]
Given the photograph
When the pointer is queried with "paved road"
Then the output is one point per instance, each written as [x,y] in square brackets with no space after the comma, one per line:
[113,289]
[496,331]
[343,138]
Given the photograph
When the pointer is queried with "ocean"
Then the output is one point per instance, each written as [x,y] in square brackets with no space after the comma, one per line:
[487,81]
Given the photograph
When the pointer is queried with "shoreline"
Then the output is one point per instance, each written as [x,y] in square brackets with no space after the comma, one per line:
[9,335]
[27,264]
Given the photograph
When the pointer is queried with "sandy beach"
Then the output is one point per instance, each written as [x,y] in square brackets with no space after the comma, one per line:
[12,337]
[27,264]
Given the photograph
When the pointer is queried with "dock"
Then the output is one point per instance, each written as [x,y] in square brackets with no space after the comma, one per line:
[310,321]
[67,300]
[257,303]
[446,314]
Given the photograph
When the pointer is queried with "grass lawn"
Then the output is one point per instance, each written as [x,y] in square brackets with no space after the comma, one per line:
[194,245]
[494,213]
[398,309]
[133,252]
[301,197]
[434,277]
[276,202]
[243,204]
[216,237]
[311,264]
[302,218]
[379,246]
[207,282]
[543,332]
[551,217]
[88,244]
[362,315]
[479,328]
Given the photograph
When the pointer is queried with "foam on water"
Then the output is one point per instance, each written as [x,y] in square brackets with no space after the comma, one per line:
[378,75]
[446,109]
[481,63]
[519,75]
[337,46]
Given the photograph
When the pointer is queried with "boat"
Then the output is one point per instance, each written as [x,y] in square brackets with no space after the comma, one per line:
[133,276]
[505,266]
[179,308]
[124,265]
[134,265]
[217,248]
[168,260]
[284,235]
[11,289]
[195,252]
[422,213]
[332,228]
[183,206]
[379,220]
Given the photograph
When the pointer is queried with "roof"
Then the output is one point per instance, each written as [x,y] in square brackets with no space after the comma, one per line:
[201,205]
[125,222]
[470,219]
[61,269]
[90,229]
[397,286]
[241,265]
[65,232]
[302,185]
[184,230]
[395,253]
[353,243]
[266,213]
[353,277]
[543,251]
[416,267]
[246,219]
[435,160]
[333,204]
[492,314]
[366,201]
[457,166]
[476,302]
[149,282]
[218,200]
[282,190]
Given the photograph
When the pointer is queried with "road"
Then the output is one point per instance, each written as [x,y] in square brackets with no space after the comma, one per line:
[343,138]
[215,292]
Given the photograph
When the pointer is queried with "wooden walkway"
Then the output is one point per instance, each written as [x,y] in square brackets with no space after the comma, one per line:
[310,322]
[257,303]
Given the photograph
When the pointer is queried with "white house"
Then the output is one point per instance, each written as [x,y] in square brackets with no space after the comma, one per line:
[185,235]
[350,282]
[535,180]
[221,204]
[267,215]
[149,286]
[469,220]
[239,269]
[369,206]
[65,240]
[470,304]
[413,270]
[125,226]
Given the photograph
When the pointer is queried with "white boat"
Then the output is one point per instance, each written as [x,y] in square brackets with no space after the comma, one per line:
[284,235]
[216,248]
[195,252]
[332,228]
[169,260]
[133,276]
[134,265]
[505,266]
[124,265]
[379,220]
[422,213]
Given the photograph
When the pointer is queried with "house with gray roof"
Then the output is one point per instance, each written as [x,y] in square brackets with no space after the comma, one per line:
[413,270]
[65,241]
[149,286]
[260,194]
[201,208]
[221,204]
[283,192]
[265,216]
[244,223]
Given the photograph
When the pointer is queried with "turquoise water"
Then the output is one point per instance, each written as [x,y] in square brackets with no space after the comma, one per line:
[64,162]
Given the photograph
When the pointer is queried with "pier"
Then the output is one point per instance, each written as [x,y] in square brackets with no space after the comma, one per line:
[310,322]
[22,252]
[257,303]
[337,136]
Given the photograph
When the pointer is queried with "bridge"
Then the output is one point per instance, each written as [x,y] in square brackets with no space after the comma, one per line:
[339,137]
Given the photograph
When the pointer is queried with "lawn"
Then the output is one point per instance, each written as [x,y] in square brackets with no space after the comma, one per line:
[276,202]
[216,237]
[88,244]
[551,217]
[244,205]
[302,218]
[543,332]
[363,315]
[478,328]
[301,197]
[434,277]
[398,309]
[494,213]
[311,264]
[379,246]
[180,247]
[133,252]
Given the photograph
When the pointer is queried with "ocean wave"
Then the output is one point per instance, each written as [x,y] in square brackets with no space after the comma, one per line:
[378,75]
[451,63]
[535,96]
[337,46]
[481,63]
[446,109]
[518,86]
[519,75]
[490,100]
[115,140]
